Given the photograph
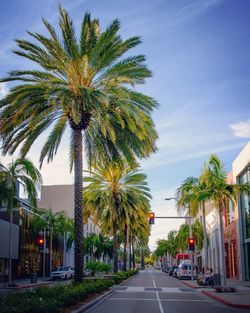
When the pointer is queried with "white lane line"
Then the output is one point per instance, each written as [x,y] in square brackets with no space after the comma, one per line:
[162,300]
[158,298]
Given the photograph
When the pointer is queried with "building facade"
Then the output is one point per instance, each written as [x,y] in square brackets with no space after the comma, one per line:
[60,198]
[241,175]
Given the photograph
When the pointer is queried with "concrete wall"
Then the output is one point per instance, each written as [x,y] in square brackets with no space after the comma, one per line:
[58,198]
[4,239]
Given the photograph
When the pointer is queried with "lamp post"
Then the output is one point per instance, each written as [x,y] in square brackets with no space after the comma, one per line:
[190,235]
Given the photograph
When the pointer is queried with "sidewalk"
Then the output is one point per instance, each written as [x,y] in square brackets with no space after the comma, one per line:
[239,299]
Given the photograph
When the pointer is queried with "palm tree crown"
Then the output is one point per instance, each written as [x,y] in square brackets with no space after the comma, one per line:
[117,194]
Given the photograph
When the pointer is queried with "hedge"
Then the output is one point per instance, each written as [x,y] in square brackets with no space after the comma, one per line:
[53,299]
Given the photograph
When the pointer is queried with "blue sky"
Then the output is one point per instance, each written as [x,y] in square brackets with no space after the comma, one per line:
[199,52]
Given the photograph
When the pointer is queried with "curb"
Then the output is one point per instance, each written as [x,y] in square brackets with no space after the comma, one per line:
[190,285]
[228,303]
[101,298]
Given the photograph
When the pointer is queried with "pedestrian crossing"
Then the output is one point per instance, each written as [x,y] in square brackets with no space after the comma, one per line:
[151,289]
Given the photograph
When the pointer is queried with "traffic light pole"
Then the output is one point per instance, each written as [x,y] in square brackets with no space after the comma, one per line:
[190,236]
[44,251]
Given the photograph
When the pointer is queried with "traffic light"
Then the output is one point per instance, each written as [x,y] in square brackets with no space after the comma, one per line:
[191,244]
[40,242]
[151,218]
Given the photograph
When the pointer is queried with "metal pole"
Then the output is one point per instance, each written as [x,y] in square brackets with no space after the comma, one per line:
[191,252]
[44,250]
[10,248]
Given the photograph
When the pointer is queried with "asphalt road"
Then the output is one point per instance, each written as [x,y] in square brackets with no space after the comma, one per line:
[152,291]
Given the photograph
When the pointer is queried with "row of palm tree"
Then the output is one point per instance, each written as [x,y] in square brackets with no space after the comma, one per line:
[85,85]
[211,186]
[177,241]
[117,197]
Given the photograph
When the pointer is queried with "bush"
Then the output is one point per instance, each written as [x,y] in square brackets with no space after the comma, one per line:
[97,267]
[54,299]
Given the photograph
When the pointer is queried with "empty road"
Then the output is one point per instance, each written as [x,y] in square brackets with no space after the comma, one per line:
[152,291]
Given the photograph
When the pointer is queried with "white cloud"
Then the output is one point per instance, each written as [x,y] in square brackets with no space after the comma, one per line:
[241,129]
[3,90]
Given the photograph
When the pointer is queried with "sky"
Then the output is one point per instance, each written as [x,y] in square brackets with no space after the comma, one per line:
[199,53]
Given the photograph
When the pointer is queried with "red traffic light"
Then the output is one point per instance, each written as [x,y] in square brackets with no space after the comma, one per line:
[191,244]
[151,218]
[40,241]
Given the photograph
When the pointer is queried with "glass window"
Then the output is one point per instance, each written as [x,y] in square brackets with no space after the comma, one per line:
[245,205]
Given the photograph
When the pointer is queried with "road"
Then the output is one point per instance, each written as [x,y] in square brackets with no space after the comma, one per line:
[152,291]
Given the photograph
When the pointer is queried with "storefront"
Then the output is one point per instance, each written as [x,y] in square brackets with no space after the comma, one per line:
[245,223]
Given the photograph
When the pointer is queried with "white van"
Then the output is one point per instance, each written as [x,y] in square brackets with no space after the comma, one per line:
[184,270]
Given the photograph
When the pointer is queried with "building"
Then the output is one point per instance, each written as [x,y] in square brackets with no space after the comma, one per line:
[241,175]
[213,234]
[61,198]
[26,255]
[231,237]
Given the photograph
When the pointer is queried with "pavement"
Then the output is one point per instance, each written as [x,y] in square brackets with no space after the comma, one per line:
[238,299]
[152,291]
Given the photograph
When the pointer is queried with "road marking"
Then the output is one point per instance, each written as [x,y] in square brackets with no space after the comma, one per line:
[162,300]
[158,298]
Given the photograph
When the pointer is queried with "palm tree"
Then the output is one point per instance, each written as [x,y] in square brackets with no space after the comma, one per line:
[50,220]
[191,195]
[220,194]
[115,193]
[24,172]
[85,85]
[65,227]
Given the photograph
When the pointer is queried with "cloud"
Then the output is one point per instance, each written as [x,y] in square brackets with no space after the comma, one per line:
[241,129]
[3,90]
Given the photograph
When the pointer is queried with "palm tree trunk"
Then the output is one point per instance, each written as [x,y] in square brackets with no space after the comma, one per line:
[78,199]
[51,250]
[10,246]
[204,234]
[130,260]
[115,247]
[64,248]
[125,248]
[223,260]
[133,253]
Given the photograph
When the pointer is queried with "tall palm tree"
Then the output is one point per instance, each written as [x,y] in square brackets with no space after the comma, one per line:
[220,194]
[115,192]
[24,172]
[84,84]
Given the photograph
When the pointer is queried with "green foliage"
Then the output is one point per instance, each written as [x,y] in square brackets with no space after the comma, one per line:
[97,267]
[54,299]
[82,83]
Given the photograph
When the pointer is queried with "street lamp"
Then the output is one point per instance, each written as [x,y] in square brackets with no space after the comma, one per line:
[190,235]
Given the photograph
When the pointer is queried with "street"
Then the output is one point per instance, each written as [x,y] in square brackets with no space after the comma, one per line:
[152,291]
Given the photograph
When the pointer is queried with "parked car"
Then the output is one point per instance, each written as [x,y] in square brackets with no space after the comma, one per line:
[171,270]
[184,270]
[63,273]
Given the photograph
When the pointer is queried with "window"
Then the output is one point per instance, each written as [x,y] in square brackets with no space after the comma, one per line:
[245,205]
[229,213]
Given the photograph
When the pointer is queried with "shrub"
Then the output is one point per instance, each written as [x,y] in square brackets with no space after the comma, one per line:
[54,299]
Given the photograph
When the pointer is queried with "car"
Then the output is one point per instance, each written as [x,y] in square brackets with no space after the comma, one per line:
[184,270]
[63,273]
[171,270]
